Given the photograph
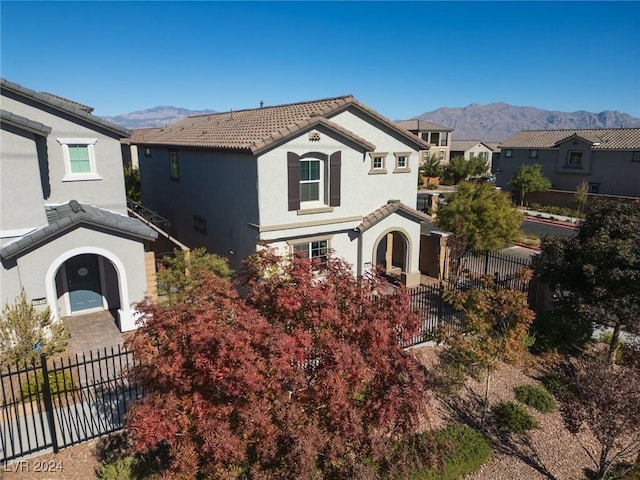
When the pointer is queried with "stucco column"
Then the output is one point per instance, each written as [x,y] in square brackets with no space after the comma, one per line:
[389,253]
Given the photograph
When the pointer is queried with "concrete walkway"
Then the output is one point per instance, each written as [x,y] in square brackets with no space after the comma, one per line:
[93,331]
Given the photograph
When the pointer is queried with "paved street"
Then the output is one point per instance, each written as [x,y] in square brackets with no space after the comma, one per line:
[540,229]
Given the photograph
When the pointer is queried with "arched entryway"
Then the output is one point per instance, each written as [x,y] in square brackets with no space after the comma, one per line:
[86,280]
[391,254]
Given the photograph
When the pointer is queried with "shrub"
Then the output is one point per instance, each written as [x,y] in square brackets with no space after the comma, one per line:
[513,418]
[59,382]
[125,468]
[536,397]
[462,449]
[624,471]
[432,186]
[556,385]
[26,332]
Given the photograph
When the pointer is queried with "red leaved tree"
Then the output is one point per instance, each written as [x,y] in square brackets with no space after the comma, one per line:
[304,379]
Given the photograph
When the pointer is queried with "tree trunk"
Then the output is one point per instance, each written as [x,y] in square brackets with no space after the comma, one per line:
[521,198]
[613,345]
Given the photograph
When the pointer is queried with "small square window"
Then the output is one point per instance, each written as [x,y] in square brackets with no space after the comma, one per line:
[574,159]
[636,157]
[200,224]
[147,151]
[378,163]
[508,153]
[174,165]
[80,159]
[594,188]
[402,162]
[533,153]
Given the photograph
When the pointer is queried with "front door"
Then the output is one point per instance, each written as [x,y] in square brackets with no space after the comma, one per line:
[83,281]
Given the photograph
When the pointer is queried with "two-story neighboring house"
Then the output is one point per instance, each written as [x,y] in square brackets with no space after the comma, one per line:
[306,177]
[437,136]
[608,159]
[469,149]
[65,236]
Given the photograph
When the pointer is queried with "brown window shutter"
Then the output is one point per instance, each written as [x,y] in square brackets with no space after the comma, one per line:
[335,165]
[293,177]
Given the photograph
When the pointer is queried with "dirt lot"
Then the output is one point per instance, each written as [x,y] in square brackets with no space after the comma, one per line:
[549,452]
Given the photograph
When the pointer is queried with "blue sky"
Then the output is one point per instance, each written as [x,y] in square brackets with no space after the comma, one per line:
[401,58]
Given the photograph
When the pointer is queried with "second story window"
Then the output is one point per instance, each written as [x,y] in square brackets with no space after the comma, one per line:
[508,153]
[79,156]
[377,163]
[435,138]
[533,153]
[174,166]
[574,159]
[636,157]
[402,162]
[310,180]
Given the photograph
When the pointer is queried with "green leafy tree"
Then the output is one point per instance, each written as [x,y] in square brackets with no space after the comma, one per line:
[597,272]
[493,328]
[303,378]
[25,332]
[132,183]
[456,170]
[480,217]
[180,273]
[432,168]
[477,166]
[529,179]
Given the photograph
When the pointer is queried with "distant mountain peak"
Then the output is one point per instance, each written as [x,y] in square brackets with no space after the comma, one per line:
[498,121]
[155,117]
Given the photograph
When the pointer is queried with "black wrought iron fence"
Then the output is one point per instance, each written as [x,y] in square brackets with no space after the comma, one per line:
[58,403]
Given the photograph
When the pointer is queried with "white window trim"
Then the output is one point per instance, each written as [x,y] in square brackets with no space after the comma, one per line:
[321,202]
[78,177]
[378,170]
[307,241]
[398,168]
[576,166]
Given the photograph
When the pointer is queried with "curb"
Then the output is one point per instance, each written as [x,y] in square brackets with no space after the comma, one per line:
[524,245]
[552,222]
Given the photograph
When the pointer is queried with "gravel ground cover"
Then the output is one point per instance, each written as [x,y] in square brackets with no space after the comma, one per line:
[548,452]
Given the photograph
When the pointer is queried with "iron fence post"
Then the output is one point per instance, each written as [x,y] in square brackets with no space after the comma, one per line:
[48,403]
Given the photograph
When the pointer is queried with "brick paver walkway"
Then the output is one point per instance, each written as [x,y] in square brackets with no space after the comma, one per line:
[93,331]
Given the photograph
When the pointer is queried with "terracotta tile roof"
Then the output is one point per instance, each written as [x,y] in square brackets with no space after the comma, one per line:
[464,145]
[64,105]
[71,103]
[606,138]
[62,218]
[392,206]
[422,125]
[260,128]
[140,134]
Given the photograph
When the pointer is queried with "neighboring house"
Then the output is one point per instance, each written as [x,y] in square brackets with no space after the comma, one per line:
[495,155]
[65,236]
[470,149]
[307,177]
[437,136]
[608,159]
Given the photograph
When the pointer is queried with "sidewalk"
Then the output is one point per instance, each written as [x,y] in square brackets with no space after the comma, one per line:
[550,218]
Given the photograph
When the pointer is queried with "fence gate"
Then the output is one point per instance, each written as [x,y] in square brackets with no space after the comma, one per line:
[55,404]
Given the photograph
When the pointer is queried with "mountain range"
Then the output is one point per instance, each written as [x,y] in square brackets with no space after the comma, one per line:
[491,123]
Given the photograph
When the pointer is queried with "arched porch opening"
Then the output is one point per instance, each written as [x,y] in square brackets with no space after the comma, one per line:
[391,255]
[86,280]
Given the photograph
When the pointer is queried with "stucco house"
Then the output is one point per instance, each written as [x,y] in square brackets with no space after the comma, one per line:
[437,136]
[608,159]
[65,236]
[307,177]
